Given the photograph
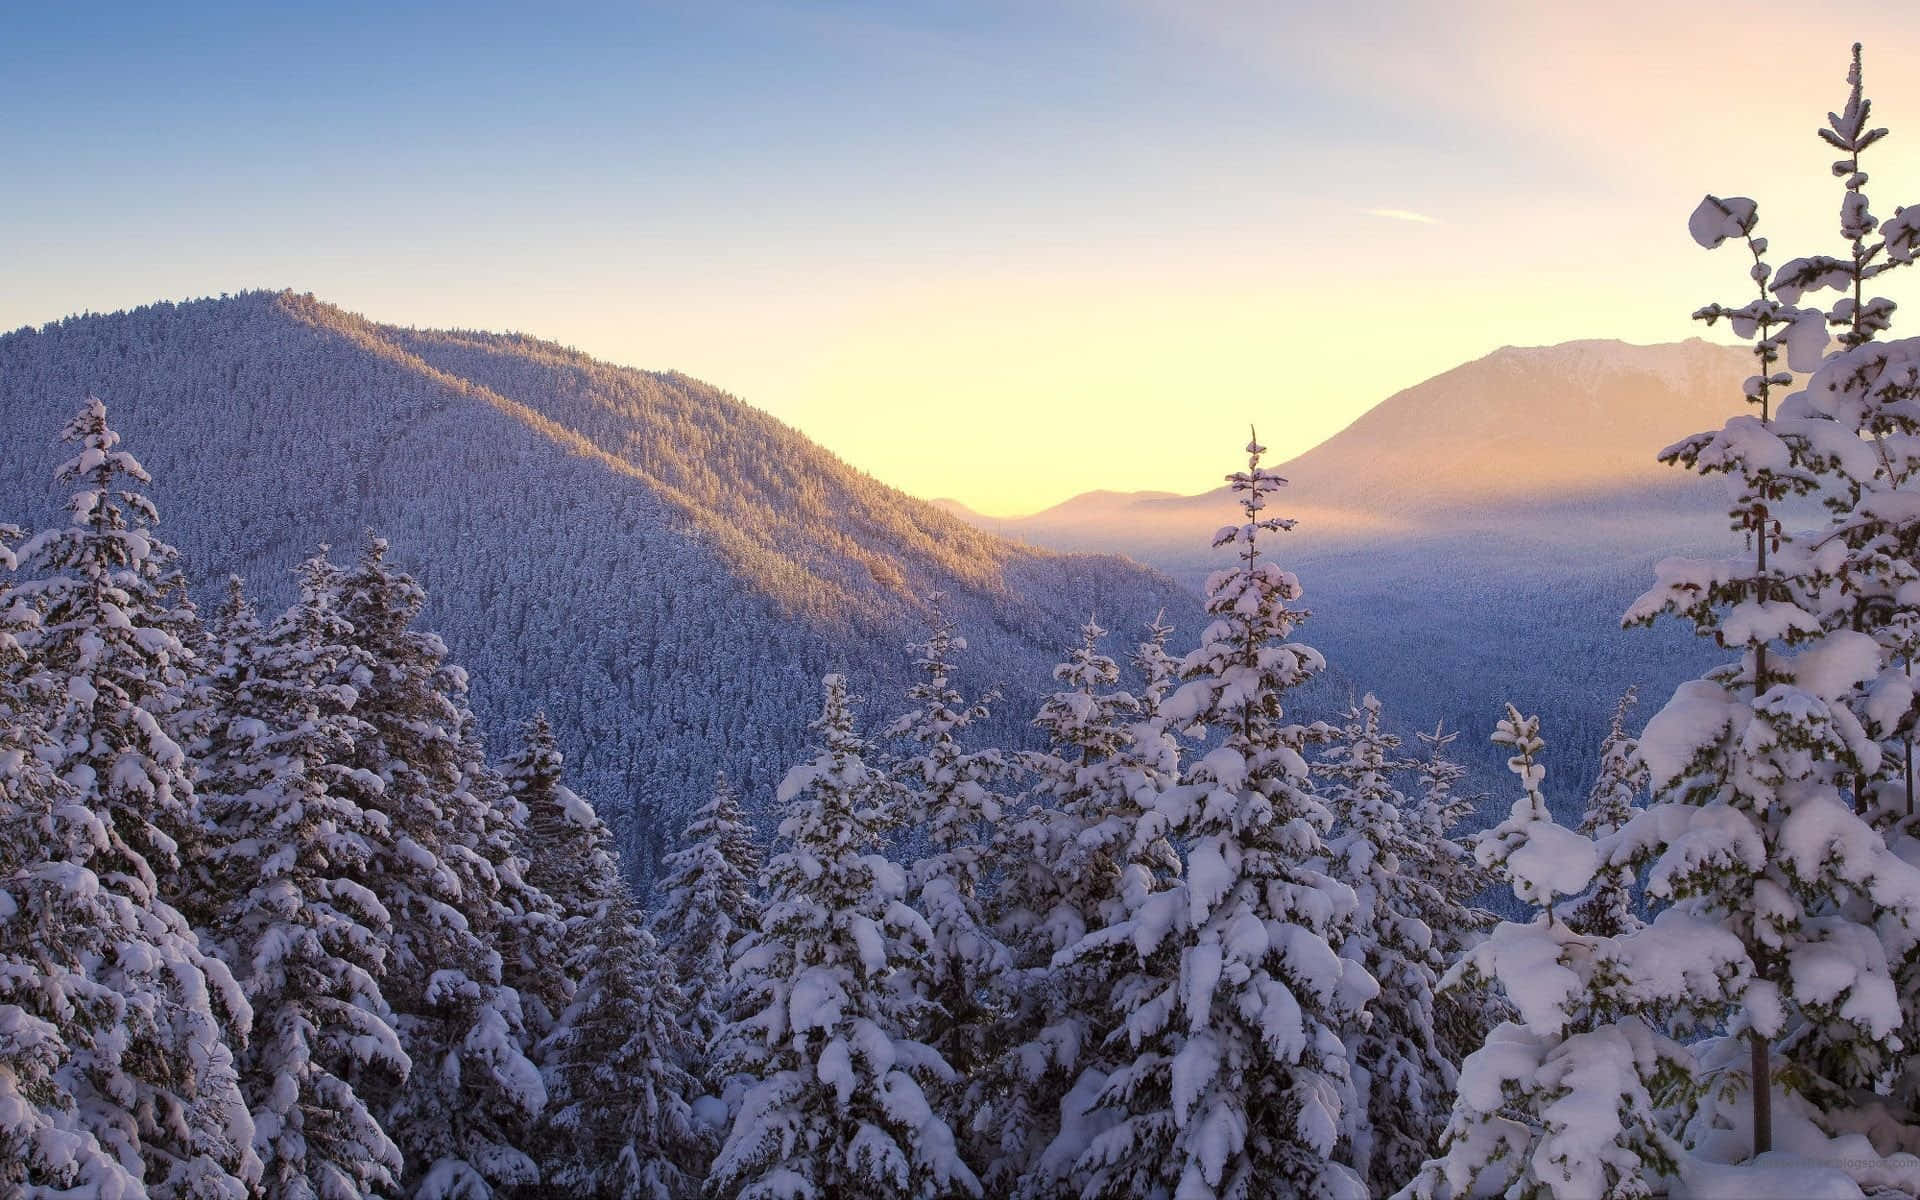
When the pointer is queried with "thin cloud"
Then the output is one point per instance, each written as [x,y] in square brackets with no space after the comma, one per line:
[1401,214]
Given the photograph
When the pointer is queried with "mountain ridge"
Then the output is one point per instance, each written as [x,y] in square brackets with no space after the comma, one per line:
[665,569]
[1474,445]
[1594,351]
[1474,538]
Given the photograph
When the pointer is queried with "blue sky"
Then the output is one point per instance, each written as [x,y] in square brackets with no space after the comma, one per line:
[1070,244]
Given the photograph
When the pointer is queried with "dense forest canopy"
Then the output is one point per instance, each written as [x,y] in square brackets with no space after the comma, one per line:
[664,570]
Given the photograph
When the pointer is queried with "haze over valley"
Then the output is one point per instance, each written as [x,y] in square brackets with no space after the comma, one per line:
[1479,534]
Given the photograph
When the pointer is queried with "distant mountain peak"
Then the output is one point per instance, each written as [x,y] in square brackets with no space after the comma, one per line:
[1521,428]
[1602,345]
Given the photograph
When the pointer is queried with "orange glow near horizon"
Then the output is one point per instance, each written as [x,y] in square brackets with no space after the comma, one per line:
[1003,254]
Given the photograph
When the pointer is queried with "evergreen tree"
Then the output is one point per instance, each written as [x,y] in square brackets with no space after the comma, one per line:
[1051,884]
[1402,1079]
[1070,859]
[1854,425]
[107,666]
[527,927]
[1042,908]
[950,800]
[1759,769]
[838,1103]
[1451,880]
[468,1108]
[1238,1082]
[562,858]
[53,920]
[619,1097]
[1052,880]
[1159,671]
[1451,870]
[708,903]
[113,631]
[1560,1103]
[1608,907]
[571,858]
[293,835]
[618,1122]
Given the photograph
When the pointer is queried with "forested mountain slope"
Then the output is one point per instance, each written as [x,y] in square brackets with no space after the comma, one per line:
[667,571]
[1476,537]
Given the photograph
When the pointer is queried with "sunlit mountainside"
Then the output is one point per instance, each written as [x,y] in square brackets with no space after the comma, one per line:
[665,569]
[1493,441]
[1476,536]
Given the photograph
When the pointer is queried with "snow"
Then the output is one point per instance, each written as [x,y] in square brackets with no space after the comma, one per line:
[1214,932]
[1199,976]
[868,943]
[1776,1175]
[1759,622]
[1806,340]
[577,811]
[1700,713]
[1553,861]
[1715,220]
[1836,663]
[1208,878]
[834,1067]
[1843,967]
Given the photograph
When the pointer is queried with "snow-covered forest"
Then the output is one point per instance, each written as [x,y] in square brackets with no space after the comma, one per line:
[280,918]
[665,570]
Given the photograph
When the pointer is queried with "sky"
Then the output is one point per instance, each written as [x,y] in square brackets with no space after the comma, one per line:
[1003,251]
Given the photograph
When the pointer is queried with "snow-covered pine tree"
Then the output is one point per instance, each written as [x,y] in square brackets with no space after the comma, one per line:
[1147,762]
[469,1106]
[1858,423]
[950,801]
[838,1103]
[113,614]
[1560,1103]
[1041,907]
[1402,1080]
[619,1097]
[229,653]
[107,665]
[1090,812]
[526,926]
[1049,880]
[292,834]
[1237,1080]
[1608,907]
[571,860]
[1159,671]
[569,871]
[1451,869]
[54,920]
[1869,553]
[708,902]
[1757,768]
[618,1121]
[1066,860]
[1463,1016]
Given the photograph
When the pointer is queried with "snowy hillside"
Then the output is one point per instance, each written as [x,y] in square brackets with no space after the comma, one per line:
[663,568]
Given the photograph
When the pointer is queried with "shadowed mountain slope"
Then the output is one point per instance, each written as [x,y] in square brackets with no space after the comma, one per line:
[664,569]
